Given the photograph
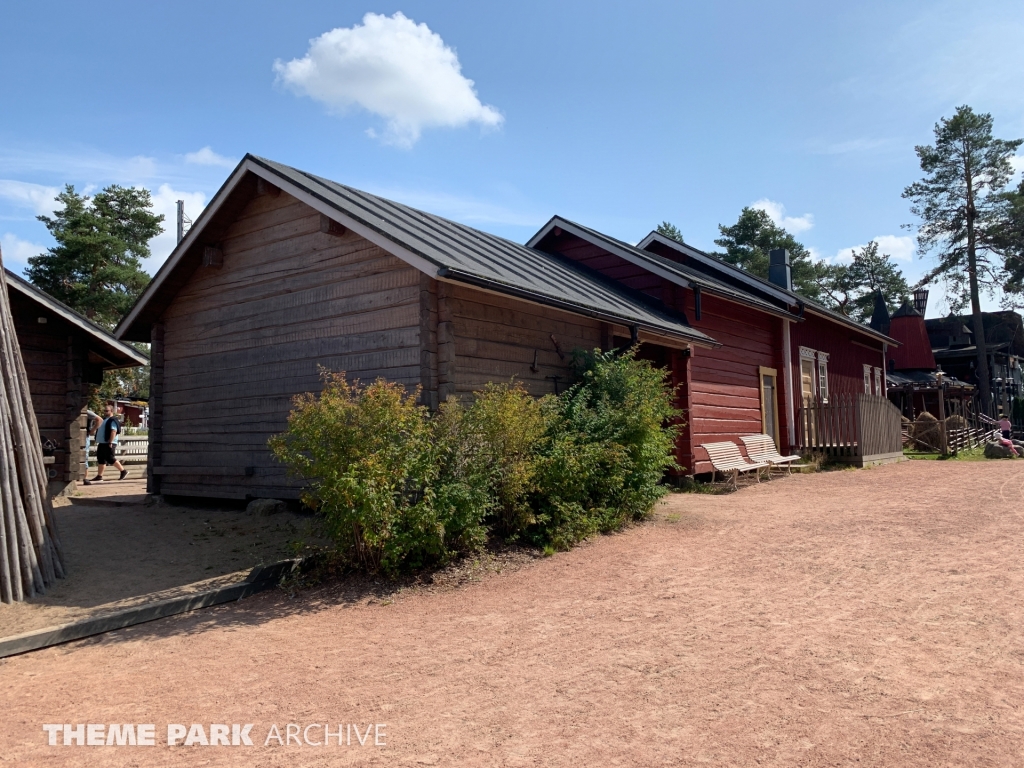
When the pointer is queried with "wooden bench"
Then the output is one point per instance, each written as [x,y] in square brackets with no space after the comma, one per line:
[762,448]
[727,459]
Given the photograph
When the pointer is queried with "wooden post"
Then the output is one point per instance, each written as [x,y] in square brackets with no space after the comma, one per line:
[445,343]
[428,342]
[75,413]
[156,410]
[942,416]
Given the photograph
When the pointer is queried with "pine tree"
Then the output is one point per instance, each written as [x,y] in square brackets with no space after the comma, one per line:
[748,241]
[671,231]
[959,202]
[96,265]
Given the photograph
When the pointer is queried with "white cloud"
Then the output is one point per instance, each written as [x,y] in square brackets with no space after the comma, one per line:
[24,194]
[900,247]
[165,201]
[1017,161]
[777,212]
[394,68]
[16,252]
[206,156]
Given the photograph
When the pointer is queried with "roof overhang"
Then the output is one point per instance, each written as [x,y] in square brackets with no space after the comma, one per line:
[653,263]
[111,352]
[195,239]
[790,299]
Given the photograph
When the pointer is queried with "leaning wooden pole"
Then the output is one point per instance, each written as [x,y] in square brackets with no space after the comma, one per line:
[32,557]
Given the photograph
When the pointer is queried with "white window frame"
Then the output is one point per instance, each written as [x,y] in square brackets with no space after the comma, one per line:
[867,379]
[879,383]
[823,376]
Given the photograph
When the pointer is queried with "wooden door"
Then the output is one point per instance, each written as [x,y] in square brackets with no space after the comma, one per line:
[769,404]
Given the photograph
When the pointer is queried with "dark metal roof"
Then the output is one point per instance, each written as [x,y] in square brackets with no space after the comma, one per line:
[119,354]
[686,274]
[906,310]
[460,253]
[923,379]
[770,290]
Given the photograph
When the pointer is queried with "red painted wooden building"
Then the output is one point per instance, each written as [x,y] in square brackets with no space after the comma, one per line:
[776,348]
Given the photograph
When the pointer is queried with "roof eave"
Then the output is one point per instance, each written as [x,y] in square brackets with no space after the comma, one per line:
[696,337]
[645,262]
[129,357]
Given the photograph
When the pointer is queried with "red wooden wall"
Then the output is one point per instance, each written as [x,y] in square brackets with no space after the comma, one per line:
[721,394]
[846,360]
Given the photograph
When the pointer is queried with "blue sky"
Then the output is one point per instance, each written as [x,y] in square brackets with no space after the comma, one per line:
[617,115]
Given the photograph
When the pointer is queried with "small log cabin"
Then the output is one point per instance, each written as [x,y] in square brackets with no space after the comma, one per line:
[64,353]
[285,272]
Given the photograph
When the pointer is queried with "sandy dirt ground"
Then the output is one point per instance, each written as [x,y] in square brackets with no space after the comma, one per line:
[127,555]
[860,617]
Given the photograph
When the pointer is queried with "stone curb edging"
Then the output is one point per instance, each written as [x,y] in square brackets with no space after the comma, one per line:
[261,578]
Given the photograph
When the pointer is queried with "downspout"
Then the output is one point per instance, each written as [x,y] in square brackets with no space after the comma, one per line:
[787,361]
[885,370]
[634,337]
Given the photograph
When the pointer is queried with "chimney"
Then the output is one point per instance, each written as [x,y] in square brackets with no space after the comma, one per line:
[921,300]
[779,271]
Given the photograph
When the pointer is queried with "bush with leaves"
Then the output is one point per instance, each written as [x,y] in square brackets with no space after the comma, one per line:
[399,488]
[609,441]
[381,476]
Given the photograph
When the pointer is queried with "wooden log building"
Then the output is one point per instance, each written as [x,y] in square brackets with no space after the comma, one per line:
[286,272]
[64,353]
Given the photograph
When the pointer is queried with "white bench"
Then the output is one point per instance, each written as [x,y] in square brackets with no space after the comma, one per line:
[762,448]
[727,459]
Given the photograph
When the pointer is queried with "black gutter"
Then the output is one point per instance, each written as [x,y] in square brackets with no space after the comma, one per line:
[482,282]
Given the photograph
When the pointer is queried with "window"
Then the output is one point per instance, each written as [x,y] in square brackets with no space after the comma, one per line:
[807,373]
[867,379]
[879,389]
[823,377]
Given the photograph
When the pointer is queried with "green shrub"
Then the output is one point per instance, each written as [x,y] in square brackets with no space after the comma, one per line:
[610,439]
[379,476]
[399,488]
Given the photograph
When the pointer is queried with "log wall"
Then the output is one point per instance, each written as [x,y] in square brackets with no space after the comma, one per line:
[54,354]
[241,339]
[497,338]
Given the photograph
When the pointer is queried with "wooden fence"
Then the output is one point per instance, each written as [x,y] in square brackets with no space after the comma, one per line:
[132,451]
[859,429]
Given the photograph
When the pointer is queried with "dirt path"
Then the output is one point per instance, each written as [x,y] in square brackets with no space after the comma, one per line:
[870,617]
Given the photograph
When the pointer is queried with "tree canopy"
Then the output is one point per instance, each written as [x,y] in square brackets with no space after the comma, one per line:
[851,288]
[961,204]
[671,231]
[748,241]
[96,265]
[1007,237]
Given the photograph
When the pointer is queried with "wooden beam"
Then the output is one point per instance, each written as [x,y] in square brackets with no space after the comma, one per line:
[156,409]
[213,256]
[330,227]
[445,343]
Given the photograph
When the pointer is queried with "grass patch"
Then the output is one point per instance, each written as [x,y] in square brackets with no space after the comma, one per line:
[972,454]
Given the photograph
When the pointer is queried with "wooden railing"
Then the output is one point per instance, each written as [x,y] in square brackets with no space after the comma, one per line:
[855,428]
